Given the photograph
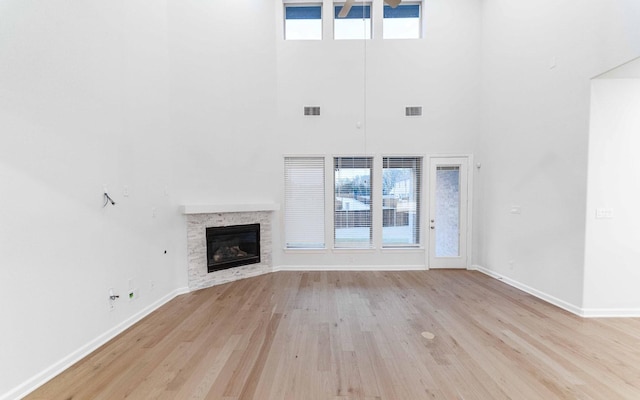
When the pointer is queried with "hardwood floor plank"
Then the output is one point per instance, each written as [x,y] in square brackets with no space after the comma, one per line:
[359,335]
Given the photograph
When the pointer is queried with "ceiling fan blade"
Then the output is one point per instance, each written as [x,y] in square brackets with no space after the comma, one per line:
[345,9]
[393,3]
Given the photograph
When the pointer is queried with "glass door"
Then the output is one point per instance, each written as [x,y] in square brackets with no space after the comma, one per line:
[448,212]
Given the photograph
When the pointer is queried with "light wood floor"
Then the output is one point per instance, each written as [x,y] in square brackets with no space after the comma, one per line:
[358,335]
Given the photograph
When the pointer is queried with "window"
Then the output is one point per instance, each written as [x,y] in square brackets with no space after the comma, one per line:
[401,177]
[356,25]
[304,202]
[402,22]
[352,203]
[303,22]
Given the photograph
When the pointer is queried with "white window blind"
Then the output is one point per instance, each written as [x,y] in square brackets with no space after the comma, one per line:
[304,202]
[401,190]
[352,209]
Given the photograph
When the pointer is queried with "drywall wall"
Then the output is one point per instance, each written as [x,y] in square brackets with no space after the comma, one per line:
[222,103]
[83,103]
[612,236]
[363,88]
[238,90]
[537,62]
[186,102]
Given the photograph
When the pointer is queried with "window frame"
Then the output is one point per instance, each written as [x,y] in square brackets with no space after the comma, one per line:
[337,6]
[294,5]
[416,163]
[296,210]
[353,162]
[385,8]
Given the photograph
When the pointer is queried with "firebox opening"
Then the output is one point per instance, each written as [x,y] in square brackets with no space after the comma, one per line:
[232,246]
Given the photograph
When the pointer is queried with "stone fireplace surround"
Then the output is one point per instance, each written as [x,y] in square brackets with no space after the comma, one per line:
[200,217]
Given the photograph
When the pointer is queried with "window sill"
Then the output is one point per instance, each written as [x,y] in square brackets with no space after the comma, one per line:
[342,250]
[403,249]
[304,251]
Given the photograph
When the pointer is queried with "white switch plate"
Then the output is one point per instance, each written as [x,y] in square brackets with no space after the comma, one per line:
[604,213]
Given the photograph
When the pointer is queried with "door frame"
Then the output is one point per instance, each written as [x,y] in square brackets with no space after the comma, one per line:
[469,220]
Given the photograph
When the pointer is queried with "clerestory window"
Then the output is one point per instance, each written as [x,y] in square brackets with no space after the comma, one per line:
[402,22]
[303,22]
[356,24]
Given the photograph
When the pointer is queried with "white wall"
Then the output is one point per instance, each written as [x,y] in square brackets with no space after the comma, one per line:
[538,58]
[222,102]
[371,82]
[198,102]
[83,102]
[237,96]
[612,252]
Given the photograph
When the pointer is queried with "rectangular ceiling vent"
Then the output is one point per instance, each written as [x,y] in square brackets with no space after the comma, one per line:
[311,110]
[413,111]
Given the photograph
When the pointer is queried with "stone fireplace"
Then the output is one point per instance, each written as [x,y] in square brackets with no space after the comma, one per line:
[227,221]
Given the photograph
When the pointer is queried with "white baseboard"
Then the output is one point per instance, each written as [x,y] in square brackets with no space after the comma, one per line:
[579,311]
[534,292]
[611,313]
[52,371]
[350,268]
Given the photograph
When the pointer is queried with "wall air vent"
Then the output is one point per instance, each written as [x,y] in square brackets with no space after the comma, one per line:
[413,111]
[311,110]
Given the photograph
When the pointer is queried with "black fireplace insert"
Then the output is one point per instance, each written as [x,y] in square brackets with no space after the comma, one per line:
[232,246]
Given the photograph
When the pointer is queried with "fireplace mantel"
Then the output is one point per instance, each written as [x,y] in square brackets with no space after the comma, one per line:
[227,208]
